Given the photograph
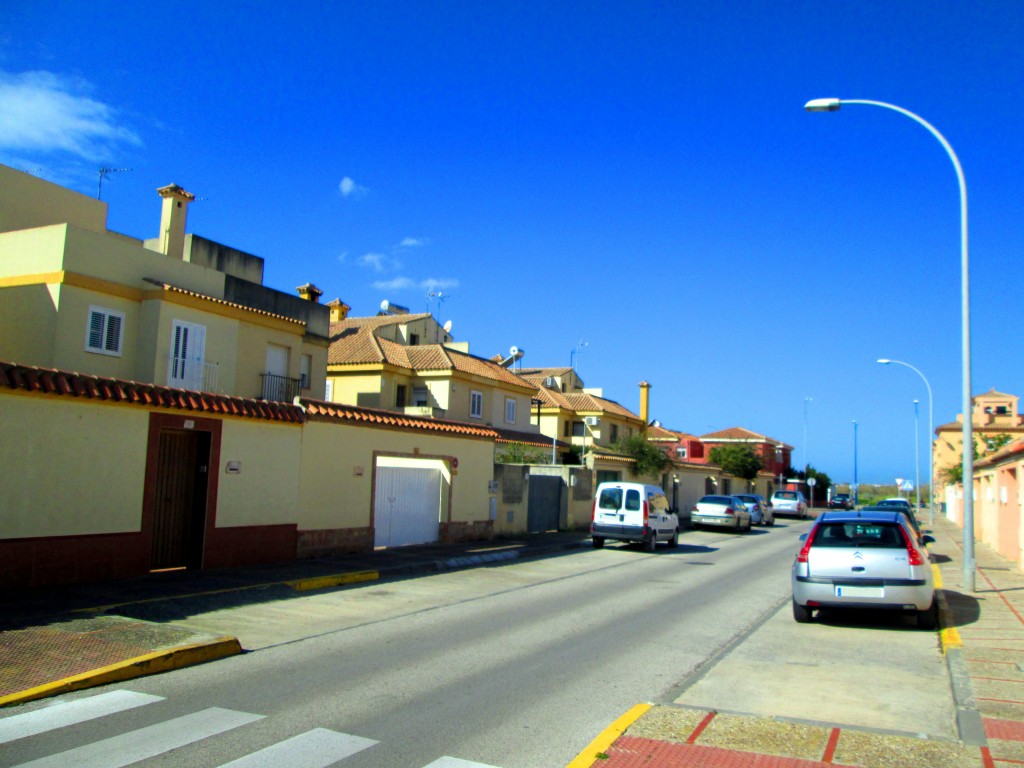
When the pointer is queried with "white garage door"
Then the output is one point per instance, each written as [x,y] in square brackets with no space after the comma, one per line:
[407,506]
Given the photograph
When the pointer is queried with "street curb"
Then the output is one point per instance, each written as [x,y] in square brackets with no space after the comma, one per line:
[140,666]
[334,580]
[596,749]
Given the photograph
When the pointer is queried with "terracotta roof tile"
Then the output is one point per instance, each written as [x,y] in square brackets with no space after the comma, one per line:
[64,383]
[324,411]
[1009,450]
[739,433]
[527,438]
[177,289]
[377,321]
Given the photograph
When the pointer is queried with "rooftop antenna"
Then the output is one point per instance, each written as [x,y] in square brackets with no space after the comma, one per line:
[104,172]
[579,349]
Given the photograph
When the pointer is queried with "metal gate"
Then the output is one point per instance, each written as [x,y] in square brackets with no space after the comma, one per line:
[179,514]
[407,506]
[544,503]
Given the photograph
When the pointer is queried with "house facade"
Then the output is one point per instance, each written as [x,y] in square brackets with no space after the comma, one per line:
[775,455]
[177,310]
[995,419]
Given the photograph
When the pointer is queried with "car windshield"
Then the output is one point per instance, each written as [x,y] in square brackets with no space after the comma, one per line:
[785,494]
[858,536]
[893,503]
[717,500]
[611,498]
[751,499]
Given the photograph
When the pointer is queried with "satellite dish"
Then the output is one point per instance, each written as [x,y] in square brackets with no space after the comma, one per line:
[447,326]
[513,352]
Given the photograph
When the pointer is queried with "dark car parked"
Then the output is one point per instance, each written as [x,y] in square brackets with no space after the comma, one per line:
[841,501]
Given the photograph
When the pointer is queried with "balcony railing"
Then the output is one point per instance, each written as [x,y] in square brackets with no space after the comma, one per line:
[424,410]
[280,389]
[192,374]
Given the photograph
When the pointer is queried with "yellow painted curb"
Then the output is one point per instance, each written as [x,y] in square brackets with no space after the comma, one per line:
[140,666]
[588,756]
[322,582]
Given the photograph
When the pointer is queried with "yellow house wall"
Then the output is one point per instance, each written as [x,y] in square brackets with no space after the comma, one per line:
[28,322]
[337,472]
[221,343]
[78,468]
[69,352]
[28,201]
[265,491]
[358,390]
[32,252]
[252,355]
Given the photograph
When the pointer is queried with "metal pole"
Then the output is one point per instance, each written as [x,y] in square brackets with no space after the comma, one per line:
[855,497]
[917,457]
[965,326]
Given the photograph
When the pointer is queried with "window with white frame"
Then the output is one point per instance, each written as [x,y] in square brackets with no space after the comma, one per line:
[681,453]
[104,331]
[510,411]
[476,404]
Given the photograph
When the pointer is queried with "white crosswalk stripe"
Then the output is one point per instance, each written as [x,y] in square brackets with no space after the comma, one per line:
[317,748]
[70,713]
[314,749]
[119,751]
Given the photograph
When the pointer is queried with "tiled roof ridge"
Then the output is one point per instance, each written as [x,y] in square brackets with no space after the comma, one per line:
[52,381]
[224,302]
[376,321]
[323,410]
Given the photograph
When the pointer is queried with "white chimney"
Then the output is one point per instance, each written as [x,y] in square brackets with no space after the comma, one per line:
[172,219]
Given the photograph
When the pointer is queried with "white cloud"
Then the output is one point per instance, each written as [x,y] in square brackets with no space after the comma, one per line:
[398,284]
[412,242]
[376,261]
[349,188]
[45,112]
[433,283]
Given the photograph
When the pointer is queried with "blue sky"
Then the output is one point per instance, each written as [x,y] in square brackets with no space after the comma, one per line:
[638,176]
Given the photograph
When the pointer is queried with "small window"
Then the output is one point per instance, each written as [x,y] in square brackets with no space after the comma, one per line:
[414,339]
[614,433]
[329,392]
[476,404]
[419,396]
[681,453]
[578,429]
[510,411]
[104,332]
[565,429]
[400,395]
[306,365]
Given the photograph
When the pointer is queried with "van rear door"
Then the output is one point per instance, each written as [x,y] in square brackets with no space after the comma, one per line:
[608,514]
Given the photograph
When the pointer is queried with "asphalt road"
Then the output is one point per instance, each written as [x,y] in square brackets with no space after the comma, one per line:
[514,666]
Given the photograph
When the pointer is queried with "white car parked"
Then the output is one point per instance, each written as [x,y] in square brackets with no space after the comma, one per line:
[789,503]
[633,512]
[721,512]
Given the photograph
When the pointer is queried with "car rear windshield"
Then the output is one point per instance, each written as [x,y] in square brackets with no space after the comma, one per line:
[611,498]
[785,494]
[717,500]
[858,536]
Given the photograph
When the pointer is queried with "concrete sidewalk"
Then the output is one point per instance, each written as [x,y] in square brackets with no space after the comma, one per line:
[67,638]
[982,639]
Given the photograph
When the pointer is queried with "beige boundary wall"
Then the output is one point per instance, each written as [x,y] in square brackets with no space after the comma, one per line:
[79,472]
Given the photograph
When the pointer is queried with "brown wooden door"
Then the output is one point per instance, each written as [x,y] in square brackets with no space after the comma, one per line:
[180,508]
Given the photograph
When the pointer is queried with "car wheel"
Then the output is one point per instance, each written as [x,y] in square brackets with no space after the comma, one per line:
[651,543]
[801,613]
[771,523]
[674,541]
[750,524]
[929,619]
[598,542]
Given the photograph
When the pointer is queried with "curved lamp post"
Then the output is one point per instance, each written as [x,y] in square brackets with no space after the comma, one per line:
[931,436]
[833,105]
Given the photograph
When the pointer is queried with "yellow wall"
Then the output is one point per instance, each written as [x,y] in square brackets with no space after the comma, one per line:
[337,472]
[28,321]
[360,390]
[28,201]
[70,469]
[266,490]
[31,252]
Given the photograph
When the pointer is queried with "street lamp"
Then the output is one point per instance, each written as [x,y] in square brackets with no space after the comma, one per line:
[854,462]
[931,437]
[917,455]
[832,105]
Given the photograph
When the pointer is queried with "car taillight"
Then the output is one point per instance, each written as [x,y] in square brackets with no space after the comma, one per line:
[805,550]
[646,512]
[729,511]
[593,512]
[913,556]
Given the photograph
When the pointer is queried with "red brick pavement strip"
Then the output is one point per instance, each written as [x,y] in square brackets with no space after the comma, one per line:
[1005,730]
[633,752]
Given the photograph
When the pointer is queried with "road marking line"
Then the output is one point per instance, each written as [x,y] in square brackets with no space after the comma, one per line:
[63,714]
[830,747]
[334,580]
[317,748]
[454,762]
[588,756]
[120,751]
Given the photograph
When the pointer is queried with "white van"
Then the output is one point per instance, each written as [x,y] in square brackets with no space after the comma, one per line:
[633,512]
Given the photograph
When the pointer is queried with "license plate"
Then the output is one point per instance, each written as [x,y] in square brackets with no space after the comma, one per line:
[860,591]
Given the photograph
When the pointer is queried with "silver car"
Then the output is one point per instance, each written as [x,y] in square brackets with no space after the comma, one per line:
[863,560]
[721,512]
[789,503]
[760,510]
